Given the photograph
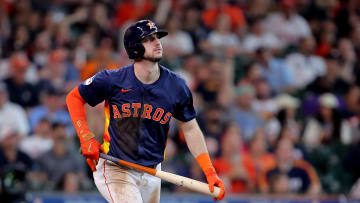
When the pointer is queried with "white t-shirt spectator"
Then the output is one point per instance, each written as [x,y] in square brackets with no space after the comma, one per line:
[265,108]
[268,40]
[305,68]
[289,31]
[13,115]
[179,40]
[31,75]
[224,40]
[35,145]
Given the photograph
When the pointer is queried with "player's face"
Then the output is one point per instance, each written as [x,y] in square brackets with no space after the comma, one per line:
[153,48]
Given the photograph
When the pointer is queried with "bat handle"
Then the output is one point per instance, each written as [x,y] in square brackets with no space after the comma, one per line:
[110,158]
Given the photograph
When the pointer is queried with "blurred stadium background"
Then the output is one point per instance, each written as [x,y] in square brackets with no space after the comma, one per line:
[275,84]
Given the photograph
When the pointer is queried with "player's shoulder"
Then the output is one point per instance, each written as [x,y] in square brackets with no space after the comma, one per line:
[106,76]
[109,74]
[172,76]
[118,71]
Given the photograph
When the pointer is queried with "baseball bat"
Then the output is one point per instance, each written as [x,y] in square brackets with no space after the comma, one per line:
[189,183]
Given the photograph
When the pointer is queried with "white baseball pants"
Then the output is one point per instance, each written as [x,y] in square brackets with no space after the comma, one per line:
[119,184]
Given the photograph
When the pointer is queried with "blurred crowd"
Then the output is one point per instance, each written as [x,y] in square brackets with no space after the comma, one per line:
[276,84]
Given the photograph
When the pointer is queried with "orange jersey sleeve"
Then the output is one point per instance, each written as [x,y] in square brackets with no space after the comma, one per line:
[75,104]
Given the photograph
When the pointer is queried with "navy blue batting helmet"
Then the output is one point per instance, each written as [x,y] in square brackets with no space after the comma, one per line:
[135,33]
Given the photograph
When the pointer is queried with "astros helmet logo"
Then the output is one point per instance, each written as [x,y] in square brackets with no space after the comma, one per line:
[151,25]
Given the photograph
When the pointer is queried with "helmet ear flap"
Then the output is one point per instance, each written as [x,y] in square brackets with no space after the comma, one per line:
[136,50]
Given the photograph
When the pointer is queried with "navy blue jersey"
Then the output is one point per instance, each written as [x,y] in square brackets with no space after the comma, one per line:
[137,115]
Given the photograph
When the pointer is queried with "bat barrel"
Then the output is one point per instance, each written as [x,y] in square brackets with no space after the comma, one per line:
[189,183]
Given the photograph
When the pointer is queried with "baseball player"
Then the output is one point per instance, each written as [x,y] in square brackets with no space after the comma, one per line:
[140,99]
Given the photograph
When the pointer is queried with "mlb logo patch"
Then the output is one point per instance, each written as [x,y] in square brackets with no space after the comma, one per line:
[89,80]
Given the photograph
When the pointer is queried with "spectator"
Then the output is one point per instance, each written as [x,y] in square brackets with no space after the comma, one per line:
[212,74]
[22,10]
[20,91]
[347,60]
[352,100]
[258,159]
[178,43]
[355,190]
[60,153]
[85,47]
[5,28]
[231,164]
[14,166]
[302,177]
[350,111]
[346,17]
[264,105]
[62,35]
[275,71]
[215,8]
[69,184]
[52,107]
[132,10]
[34,25]
[17,42]
[327,38]
[99,19]
[39,142]
[41,48]
[257,8]
[252,74]
[242,112]
[355,39]
[59,71]
[285,119]
[304,64]
[192,24]
[12,115]
[331,80]
[191,65]
[279,184]
[328,125]
[102,59]
[287,25]
[213,119]
[258,37]
[221,39]
[6,67]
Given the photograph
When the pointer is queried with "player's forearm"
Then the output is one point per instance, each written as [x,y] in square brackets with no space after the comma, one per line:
[194,138]
[196,144]
[75,104]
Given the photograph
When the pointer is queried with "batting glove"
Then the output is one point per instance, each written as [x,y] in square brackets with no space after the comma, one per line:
[92,163]
[214,180]
[91,150]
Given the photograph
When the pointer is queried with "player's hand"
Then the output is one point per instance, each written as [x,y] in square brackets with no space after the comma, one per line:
[91,150]
[214,180]
[92,163]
